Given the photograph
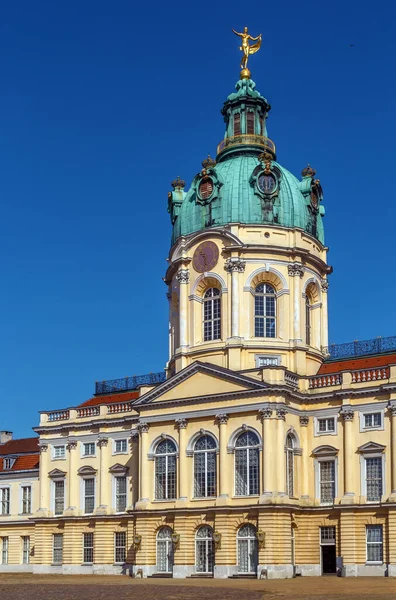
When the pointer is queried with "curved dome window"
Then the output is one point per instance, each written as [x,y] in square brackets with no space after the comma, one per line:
[266,183]
[205,188]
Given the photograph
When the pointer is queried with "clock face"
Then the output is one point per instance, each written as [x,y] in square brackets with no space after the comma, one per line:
[266,183]
[205,257]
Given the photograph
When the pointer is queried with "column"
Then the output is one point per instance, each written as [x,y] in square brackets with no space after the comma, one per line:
[235,266]
[104,486]
[325,324]
[296,271]
[392,409]
[280,446]
[144,478]
[44,481]
[304,486]
[71,500]
[265,415]
[170,341]
[349,462]
[181,424]
[222,420]
[183,278]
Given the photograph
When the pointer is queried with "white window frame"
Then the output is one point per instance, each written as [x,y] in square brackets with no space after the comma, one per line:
[25,550]
[5,542]
[82,498]
[21,499]
[363,474]
[58,457]
[8,463]
[273,360]
[374,562]
[362,420]
[57,536]
[320,418]
[83,454]
[5,487]
[115,477]
[118,546]
[318,460]
[53,481]
[93,547]
[115,451]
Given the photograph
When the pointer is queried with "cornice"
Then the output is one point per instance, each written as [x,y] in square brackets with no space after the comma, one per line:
[75,426]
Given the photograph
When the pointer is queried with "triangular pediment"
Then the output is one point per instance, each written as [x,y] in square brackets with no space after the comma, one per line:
[118,468]
[56,473]
[371,447]
[200,380]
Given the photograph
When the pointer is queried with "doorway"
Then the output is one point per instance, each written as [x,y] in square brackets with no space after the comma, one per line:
[328,550]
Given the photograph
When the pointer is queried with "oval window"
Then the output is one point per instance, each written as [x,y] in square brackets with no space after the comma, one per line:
[266,183]
[205,188]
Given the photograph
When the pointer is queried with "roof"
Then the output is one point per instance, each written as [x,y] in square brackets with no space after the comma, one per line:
[22,446]
[111,399]
[22,463]
[367,362]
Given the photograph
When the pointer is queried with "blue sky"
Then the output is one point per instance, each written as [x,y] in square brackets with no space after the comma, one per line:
[104,103]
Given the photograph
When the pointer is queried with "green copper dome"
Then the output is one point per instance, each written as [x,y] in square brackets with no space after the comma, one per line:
[246,184]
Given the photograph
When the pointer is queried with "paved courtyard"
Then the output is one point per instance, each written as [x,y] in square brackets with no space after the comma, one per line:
[28,587]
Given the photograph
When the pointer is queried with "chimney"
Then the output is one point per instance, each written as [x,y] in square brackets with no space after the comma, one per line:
[5,436]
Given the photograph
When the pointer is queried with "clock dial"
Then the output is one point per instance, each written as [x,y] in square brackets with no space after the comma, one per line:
[266,183]
[205,257]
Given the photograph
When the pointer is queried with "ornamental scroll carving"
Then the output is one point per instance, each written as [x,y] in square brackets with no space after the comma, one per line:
[222,419]
[143,427]
[265,413]
[295,270]
[304,421]
[181,423]
[183,276]
[235,265]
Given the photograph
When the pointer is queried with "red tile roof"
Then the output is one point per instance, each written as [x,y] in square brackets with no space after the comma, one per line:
[22,463]
[24,445]
[111,399]
[352,364]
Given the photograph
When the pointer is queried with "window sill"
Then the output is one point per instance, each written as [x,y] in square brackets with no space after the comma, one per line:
[158,501]
[87,564]
[374,562]
[29,514]
[88,456]
[57,564]
[118,453]
[59,458]
[246,496]
[200,499]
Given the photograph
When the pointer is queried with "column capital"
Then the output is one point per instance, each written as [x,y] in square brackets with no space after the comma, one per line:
[324,285]
[143,427]
[43,447]
[295,270]
[392,410]
[222,418]
[235,265]
[71,445]
[103,441]
[265,413]
[347,414]
[181,423]
[281,413]
[304,421]
[183,276]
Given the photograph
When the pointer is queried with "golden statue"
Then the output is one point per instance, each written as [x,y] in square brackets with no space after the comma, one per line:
[247,50]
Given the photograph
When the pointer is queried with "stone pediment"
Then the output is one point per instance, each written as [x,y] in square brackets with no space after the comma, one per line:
[87,471]
[56,473]
[200,380]
[118,468]
[325,451]
[371,447]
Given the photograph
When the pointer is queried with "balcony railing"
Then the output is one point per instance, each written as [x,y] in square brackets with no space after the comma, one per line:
[246,140]
[378,345]
[320,381]
[370,374]
[128,383]
[58,415]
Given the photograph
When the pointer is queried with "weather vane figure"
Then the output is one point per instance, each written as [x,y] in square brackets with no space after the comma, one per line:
[246,48]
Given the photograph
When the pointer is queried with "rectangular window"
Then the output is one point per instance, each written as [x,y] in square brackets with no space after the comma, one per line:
[88,547]
[120,547]
[326,425]
[26,500]
[57,548]
[59,452]
[8,462]
[237,124]
[374,479]
[328,535]
[59,496]
[89,495]
[267,361]
[121,446]
[250,123]
[374,543]
[25,549]
[89,449]
[121,493]
[372,420]
[4,551]
[327,481]
[5,501]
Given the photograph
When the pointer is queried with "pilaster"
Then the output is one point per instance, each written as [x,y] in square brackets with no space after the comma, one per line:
[222,420]
[181,425]
[349,462]
[268,483]
[103,476]
[144,480]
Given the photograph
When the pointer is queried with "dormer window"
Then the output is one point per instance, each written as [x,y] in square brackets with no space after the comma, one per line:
[8,463]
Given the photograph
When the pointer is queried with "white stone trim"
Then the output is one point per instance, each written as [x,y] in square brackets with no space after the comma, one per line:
[371,411]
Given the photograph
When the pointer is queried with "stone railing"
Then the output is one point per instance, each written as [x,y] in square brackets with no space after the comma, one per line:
[364,375]
[119,407]
[291,379]
[88,411]
[321,381]
[58,415]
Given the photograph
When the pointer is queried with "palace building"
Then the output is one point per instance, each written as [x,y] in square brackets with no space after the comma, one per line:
[260,451]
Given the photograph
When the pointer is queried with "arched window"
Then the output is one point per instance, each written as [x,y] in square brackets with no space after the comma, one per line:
[205,477]
[237,124]
[247,464]
[264,311]
[290,445]
[165,470]
[212,314]
[204,551]
[307,321]
[164,550]
[247,549]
